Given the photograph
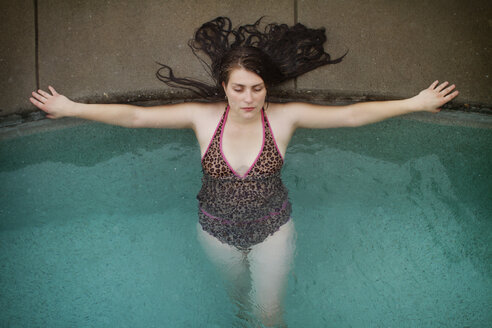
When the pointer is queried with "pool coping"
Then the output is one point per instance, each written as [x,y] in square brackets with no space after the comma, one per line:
[450,118]
[454,113]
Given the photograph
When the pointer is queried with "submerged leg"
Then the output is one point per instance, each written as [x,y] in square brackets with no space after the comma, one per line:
[270,263]
[232,265]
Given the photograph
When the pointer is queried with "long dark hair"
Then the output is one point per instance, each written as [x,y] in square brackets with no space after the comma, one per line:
[277,54]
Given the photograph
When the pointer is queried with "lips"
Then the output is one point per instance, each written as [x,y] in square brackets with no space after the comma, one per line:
[248,109]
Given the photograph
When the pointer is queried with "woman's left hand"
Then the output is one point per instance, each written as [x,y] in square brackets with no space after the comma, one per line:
[432,98]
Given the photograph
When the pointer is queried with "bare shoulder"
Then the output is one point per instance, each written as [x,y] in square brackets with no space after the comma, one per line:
[287,110]
[285,118]
[196,108]
[207,109]
[206,115]
[312,116]
[285,113]
[281,117]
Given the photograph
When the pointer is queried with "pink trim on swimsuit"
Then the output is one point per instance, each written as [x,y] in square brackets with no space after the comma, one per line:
[273,137]
[257,157]
[213,136]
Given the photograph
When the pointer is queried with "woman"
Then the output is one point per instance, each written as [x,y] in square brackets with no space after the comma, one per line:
[244,212]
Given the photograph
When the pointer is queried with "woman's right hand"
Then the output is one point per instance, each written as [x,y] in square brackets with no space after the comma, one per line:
[54,105]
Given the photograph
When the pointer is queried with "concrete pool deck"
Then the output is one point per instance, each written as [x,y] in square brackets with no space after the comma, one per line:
[106,51]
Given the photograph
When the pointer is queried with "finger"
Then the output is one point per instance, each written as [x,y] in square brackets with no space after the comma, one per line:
[44,93]
[451,96]
[433,85]
[36,103]
[448,89]
[53,91]
[39,97]
[442,86]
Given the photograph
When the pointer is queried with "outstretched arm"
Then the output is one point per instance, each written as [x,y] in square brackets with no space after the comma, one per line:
[170,116]
[315,116]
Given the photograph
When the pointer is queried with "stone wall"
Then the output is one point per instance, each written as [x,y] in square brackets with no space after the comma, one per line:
[105,50]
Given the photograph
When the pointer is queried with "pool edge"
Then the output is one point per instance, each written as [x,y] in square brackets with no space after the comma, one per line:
[449,118]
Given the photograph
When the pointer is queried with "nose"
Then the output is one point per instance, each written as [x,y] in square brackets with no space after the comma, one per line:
[248,96]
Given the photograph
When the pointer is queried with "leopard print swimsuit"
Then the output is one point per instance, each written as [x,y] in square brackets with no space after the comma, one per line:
[243,211]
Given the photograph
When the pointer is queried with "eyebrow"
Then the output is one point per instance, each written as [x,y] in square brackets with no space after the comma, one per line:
[242,85]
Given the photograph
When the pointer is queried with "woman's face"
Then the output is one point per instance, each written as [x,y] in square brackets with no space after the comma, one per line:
[245,92]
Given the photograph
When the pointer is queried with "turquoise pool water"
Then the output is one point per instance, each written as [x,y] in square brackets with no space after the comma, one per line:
[394,222]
